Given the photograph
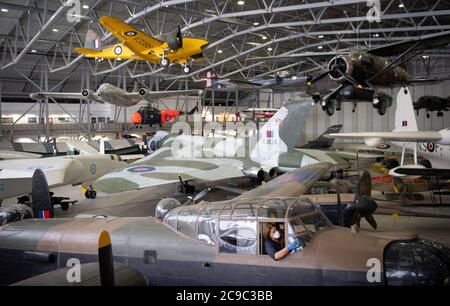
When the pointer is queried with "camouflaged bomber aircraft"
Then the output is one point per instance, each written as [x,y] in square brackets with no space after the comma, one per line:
[220,243]
[189,162]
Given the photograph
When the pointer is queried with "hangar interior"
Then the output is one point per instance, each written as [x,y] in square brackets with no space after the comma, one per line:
[229,61]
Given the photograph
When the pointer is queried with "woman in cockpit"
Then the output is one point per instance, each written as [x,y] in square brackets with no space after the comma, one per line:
[274,244]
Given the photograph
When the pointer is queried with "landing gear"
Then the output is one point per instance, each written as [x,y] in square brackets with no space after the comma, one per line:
[186,69]
[382,103]
[328,108]
[164,62]
[440,114]
[428,115]
[184,186]
[90,193]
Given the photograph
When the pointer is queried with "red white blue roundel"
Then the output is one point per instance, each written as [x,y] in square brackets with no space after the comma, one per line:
[152,145]
[118,50]
[140,169]
[430,147]
[130,33]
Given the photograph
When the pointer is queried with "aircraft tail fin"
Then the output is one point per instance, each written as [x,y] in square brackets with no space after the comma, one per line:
[323,141]
[281,132]
[41,201]
[405,118]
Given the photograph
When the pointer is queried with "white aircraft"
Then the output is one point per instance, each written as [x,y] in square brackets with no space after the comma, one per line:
[107,93]
[433,145]
[16,175]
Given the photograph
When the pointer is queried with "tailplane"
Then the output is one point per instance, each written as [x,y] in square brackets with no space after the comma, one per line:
[323,142]
[405,119]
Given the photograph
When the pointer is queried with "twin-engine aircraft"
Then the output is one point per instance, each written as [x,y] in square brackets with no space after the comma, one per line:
[107,93]
[360,73]
[172,47]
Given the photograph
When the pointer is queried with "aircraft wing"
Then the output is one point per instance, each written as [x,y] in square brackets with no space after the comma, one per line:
[161,168]
[57,95]
[131,37]
[151,95]
[22,171]
[291,184]
[10,154]
[431,41]
[413,136]
[442,173]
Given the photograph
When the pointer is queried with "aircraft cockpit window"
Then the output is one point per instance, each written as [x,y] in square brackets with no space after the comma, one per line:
[207,221]
[187,221]
[237,238]
[305,228]
[274,209]
[300,208]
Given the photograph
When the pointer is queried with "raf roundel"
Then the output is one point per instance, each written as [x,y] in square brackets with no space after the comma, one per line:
[93,169]
[118,50]
[141,169]
[130,33]
[430,146]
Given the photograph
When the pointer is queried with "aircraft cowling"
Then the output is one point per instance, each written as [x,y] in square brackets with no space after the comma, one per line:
[445,137]
[256,173]
[174,40]
[343,64]
[373,142]
[88,94]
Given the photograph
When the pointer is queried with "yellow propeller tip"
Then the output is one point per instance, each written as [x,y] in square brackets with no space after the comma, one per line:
[104,239]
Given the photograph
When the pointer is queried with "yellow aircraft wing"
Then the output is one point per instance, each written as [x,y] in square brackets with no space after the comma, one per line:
[116,51]
[135,40]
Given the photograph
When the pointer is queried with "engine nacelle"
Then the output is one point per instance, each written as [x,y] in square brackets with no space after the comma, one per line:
[445,137]
[373,141]
[270,173]
[340,63]
[15,213]
[256,173]
[156,141]
[88,94]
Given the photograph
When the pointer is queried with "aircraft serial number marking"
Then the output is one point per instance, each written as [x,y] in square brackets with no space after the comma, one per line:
[142,42]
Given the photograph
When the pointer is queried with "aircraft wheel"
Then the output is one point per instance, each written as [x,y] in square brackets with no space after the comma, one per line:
[428,116]
[382,107]
[329,109]
[64,206]
[164,62]
[440,114]
[93,194]
[186,69]
[87,194]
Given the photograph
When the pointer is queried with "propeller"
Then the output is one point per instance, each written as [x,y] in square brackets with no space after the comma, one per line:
[180,37]
[201,195]
[311,80]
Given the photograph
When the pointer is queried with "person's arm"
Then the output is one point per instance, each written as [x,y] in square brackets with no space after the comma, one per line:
[281,253]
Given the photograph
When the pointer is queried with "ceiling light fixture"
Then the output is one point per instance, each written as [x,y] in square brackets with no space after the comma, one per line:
[241,2]
[5,10]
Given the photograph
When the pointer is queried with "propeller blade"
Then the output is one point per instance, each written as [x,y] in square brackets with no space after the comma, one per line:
[105,259]
[365,184]
[318,78]
[371,220]
[365,205]
[201,194]
[349,78]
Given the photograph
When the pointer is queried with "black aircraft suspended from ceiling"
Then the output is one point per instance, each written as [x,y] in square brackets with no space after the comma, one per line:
[360,72]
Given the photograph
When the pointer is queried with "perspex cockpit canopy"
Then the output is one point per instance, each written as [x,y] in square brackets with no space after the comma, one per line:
[203,221]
